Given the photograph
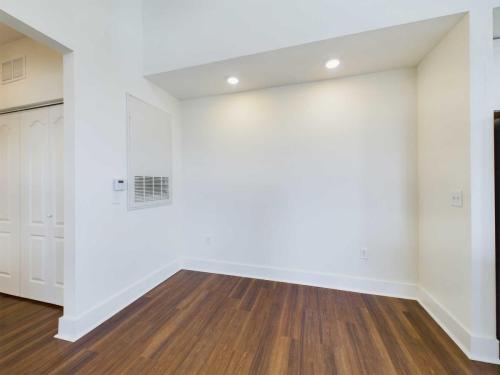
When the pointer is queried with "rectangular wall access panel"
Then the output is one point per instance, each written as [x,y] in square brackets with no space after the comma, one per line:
[149,155]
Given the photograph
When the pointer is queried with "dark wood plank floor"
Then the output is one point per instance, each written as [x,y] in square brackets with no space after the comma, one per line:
[199,323]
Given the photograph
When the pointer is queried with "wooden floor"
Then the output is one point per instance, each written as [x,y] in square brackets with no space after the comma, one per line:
[199,323]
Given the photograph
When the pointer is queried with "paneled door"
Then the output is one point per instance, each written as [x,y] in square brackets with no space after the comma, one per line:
[42,200]
[9,204]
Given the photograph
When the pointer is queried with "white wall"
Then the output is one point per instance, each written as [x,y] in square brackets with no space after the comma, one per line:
[457,249]
[44,74]
[444,167]
[182,33]
[303,176]
[198,34]
[117,254]
[484,345]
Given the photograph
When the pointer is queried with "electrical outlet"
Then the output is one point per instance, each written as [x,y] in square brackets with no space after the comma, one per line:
[457,199]
[363,253]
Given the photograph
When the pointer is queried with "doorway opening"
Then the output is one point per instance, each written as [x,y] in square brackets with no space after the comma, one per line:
[36,177]
[31,169]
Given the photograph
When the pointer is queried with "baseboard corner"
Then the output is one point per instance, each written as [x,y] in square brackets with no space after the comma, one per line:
[72,328]
[476,348]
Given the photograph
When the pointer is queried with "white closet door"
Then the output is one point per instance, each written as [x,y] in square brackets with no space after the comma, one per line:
[56,156]
[41,205]
[9,204]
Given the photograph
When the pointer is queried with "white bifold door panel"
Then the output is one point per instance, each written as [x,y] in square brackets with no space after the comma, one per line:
[40,249]
[9,205]
[42,223]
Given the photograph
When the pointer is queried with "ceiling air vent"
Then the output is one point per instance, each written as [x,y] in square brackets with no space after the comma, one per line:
[13,70]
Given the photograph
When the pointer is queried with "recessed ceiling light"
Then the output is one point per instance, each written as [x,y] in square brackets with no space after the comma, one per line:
[332,64]
[233,80]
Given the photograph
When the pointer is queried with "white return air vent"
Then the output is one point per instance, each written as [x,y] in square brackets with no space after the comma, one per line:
[151,189]
[13,70]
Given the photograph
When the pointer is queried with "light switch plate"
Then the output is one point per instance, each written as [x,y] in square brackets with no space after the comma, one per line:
[457,199]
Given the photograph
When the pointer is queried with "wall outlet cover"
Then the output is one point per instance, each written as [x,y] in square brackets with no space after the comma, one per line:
[363,253]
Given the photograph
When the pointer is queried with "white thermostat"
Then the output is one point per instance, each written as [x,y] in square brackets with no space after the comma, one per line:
[119,185]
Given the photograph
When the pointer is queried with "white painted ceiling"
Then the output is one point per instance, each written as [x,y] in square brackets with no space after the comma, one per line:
[378,50]
[8,35]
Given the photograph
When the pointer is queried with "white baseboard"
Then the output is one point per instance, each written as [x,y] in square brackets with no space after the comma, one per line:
[446,320]
[484,349]
[319,279]
[73,328]
[475,348]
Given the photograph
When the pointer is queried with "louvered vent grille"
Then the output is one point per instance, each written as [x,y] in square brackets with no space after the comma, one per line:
[13,70]
[18,68]
[139,189]
[157,188]
[7,71]
[165,188]
[149,189]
